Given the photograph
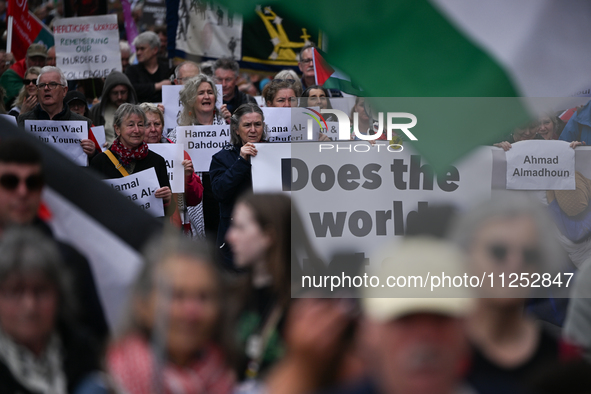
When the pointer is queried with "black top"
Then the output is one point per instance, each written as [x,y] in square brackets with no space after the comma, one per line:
[239,99]
[487,377]
[143,82]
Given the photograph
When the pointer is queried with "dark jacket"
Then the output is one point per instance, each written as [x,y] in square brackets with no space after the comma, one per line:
[143,81]
[239,99]
[39,114]
[115,78]
[230,177]
[106,168]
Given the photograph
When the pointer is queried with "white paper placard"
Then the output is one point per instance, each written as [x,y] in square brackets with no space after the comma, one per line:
[541,165]
[202,142]
[173,154]
[87,47]
[63,135]
[99,134]
[140,187]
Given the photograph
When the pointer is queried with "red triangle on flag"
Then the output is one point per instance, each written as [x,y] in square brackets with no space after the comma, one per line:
[322,71]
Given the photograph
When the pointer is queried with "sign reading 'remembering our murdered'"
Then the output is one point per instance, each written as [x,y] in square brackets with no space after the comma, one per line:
[87,47]
[541,165]
[202,142]
[63,135]
[173,154]
[140,188]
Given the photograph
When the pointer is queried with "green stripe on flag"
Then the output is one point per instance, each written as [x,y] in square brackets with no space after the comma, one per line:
[407,48]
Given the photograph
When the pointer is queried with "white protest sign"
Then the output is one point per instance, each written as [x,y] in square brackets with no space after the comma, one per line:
[63,135]
[173,154]
[278,122]
[220,98]
[173,106]
[267,167]
[140,187]
[541,165]
[286,124]
[202,142]
[87,47]
[9,118]
[99,135]
[359,196]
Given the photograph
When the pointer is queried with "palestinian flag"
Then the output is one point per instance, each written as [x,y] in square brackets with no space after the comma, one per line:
[26,29]
[328,77]
[102,224]
[454,48]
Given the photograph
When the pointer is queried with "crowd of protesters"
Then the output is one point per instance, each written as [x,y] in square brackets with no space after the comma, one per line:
[220,319]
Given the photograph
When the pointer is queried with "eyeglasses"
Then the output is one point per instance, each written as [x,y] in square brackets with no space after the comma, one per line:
[51,85]
[306,60]
[500,252]
[29,81]
[11,182]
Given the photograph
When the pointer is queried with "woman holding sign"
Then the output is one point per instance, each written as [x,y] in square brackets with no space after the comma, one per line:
[230,167]
[129,153]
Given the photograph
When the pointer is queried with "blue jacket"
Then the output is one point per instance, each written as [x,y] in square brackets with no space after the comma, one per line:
[230,177]
[578,127]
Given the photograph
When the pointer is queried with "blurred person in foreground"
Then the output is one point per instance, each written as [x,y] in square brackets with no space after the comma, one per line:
[176,338]
[41,348]
[406,344]
[260,236]
[510,235]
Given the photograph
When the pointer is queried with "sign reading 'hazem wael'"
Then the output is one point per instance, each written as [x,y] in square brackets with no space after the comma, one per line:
[63,135]
[87,47]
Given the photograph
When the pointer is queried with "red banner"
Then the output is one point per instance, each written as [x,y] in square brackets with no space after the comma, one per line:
[24,28]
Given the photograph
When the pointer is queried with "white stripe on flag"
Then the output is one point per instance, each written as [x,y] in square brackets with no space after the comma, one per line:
[114,263]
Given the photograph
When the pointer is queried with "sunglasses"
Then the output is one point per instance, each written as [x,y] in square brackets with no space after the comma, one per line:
[11,182]
[29,81]
[500,253]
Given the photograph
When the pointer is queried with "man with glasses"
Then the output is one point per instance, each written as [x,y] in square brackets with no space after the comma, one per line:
[21,186]
[117,90]
[52,87]
[225,71]
[12,79]
[306,65]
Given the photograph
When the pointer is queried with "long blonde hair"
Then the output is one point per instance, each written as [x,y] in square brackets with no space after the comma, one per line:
[22,94]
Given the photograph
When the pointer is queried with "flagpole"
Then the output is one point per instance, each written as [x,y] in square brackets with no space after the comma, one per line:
[9,35]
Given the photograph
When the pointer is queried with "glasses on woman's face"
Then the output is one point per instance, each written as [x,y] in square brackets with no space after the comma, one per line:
[500,252]
[27,82]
